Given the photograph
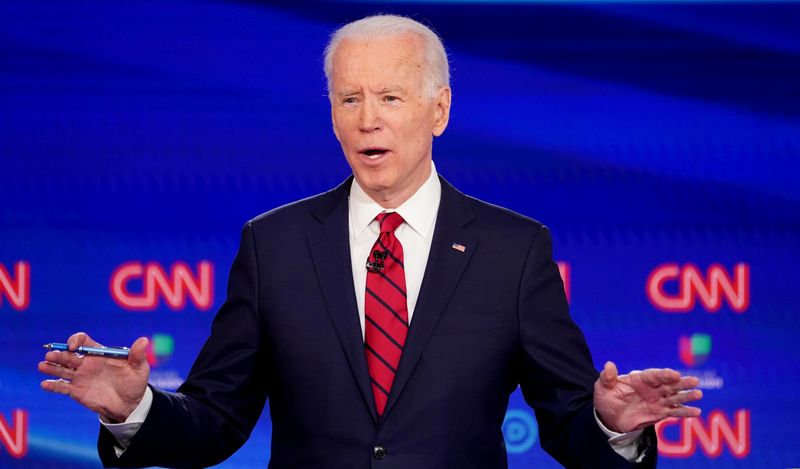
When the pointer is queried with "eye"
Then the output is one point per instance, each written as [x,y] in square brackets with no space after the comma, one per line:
[391,99]
[350,100]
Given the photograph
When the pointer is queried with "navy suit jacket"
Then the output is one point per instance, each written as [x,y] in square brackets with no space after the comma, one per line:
[487,320]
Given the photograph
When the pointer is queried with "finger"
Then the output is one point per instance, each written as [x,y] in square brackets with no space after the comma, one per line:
[68,359]
[683,411]
[686,383]
[81,338]
[609,375]
[56,370]
[138,354]
[656,377]
[58,386]
[683,397]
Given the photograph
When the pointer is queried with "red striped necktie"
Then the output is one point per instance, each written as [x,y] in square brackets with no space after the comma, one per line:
[385,309]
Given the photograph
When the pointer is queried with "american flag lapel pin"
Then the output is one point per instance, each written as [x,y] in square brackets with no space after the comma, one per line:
[459,247]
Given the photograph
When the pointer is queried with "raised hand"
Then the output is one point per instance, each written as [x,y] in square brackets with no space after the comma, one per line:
[111,387]
[630,402]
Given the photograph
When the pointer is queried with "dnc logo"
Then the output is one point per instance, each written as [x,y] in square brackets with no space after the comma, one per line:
[520,431]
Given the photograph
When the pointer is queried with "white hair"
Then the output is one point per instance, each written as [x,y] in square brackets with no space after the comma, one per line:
[436,71]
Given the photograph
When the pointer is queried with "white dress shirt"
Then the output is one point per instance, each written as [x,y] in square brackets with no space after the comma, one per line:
[415,234]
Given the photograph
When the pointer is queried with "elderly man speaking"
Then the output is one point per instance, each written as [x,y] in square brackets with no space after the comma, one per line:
[387,320]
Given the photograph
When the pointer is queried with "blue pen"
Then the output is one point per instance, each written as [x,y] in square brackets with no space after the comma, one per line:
[110,352]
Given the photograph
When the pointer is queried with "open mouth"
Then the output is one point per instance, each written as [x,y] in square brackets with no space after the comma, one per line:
[374,153]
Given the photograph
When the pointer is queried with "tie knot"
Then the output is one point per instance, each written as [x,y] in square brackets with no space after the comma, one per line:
[389,221]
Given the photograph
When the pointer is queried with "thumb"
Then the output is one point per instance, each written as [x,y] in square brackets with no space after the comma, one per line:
[608,377]
[138,354]
[81,338]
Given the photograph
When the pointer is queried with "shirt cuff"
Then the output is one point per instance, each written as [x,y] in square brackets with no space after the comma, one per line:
[625,444]
[124,432]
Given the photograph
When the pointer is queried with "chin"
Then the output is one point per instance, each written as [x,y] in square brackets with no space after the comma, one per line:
[375,180]
[374,186]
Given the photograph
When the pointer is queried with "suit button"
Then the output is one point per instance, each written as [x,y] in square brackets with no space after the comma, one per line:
[379,452]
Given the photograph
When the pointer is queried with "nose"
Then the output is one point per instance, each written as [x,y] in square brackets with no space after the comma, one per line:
[369,117]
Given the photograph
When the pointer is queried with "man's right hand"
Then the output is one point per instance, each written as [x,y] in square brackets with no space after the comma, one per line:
[109,386]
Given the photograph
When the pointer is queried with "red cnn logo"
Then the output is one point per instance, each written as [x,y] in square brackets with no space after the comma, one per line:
[15,437]
[16,290]
[710,291]
[711,436]
[173,287]
[564,270]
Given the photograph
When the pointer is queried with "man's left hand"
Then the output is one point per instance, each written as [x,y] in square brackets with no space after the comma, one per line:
[641,398]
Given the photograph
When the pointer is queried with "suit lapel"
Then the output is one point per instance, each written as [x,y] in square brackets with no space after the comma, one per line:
[330,249]
[444,269]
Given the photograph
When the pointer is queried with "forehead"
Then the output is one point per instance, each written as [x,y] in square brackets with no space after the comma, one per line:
[394,58]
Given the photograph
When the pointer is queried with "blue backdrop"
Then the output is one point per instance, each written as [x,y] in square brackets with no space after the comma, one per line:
[137,137]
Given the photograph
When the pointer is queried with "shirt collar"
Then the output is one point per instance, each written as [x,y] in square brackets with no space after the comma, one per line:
[419,211]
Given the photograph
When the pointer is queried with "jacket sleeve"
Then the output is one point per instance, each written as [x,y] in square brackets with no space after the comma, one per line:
[557,377]
[213,412]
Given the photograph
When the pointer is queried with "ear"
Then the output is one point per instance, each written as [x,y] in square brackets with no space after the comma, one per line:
[441,112]
[333,123]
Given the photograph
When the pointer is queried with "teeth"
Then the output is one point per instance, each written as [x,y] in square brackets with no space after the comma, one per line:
[374,154]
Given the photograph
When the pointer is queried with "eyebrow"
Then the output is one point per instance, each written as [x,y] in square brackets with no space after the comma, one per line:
[384,90]
[391,89]
[348,92]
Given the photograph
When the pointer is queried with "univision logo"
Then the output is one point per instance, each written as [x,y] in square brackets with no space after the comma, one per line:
[159,352]
[160,349]
[694,350]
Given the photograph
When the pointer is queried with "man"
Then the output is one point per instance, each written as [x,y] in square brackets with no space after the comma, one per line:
[387,320]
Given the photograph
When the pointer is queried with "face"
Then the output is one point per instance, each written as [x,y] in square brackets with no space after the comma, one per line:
[382,117]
